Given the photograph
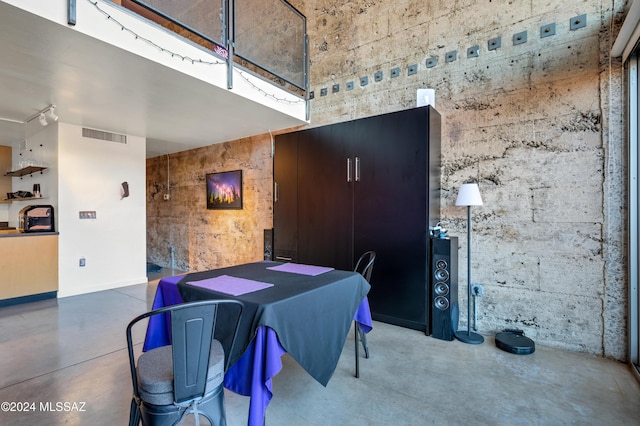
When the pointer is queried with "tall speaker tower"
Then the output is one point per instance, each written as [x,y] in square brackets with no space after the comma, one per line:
[444,287]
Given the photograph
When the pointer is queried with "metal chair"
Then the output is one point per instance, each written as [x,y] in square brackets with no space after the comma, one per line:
[186,377]
[364,266]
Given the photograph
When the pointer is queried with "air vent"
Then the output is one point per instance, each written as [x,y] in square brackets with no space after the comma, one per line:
[103,136]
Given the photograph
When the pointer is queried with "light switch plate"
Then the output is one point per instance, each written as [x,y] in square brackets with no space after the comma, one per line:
[88,214]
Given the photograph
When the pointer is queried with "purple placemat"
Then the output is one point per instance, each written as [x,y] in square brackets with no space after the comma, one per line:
[296,268]
[230,285]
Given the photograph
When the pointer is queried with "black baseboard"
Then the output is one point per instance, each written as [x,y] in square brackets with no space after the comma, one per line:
[27,299]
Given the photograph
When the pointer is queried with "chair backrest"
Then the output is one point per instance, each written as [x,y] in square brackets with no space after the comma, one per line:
[365,265]
[193,327]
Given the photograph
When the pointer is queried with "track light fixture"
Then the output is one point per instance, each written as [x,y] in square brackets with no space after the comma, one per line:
[40,115]
[52,113]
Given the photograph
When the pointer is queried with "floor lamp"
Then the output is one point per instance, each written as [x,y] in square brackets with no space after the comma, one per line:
[469,195]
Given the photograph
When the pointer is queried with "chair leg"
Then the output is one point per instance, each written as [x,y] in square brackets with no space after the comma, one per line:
[134,413]
[363,338]
[355,332]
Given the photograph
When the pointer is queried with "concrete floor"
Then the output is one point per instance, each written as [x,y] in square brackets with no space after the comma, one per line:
[73,351]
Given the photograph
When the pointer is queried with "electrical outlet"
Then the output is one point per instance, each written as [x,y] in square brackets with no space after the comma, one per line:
[477,290]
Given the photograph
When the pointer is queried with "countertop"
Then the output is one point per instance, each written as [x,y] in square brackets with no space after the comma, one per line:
[15,233]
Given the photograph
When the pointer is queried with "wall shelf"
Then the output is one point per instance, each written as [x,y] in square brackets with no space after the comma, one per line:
[25,171]
[11,200]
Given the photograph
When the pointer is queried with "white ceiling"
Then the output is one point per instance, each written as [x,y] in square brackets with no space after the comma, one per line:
[96,85]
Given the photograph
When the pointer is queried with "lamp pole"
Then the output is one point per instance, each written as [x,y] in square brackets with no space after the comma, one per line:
[466,197]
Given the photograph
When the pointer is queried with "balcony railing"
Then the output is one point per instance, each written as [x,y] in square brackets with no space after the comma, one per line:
[267,37]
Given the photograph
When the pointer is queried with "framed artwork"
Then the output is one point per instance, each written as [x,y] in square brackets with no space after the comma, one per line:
[224,190]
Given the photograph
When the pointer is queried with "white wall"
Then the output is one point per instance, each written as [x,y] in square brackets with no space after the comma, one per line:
[90,172]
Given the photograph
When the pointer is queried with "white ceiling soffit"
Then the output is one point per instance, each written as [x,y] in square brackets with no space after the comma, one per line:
[96,85]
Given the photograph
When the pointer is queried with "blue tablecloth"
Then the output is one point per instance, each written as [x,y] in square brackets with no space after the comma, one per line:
[252,374]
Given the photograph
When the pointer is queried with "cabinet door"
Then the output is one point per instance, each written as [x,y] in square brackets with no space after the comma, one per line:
[5,166]
[325,196]
[390,213]
[285,198]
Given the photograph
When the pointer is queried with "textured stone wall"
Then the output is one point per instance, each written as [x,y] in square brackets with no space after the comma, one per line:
[538,124]
[208,239]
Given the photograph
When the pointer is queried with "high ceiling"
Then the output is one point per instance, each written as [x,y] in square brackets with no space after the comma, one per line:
[96,85]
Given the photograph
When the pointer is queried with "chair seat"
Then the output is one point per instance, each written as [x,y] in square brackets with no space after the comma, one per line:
[155,373]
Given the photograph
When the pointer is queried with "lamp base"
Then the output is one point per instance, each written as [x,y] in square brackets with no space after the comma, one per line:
[469,337]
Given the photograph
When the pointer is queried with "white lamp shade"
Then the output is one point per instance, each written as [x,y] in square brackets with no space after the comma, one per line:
[469,195]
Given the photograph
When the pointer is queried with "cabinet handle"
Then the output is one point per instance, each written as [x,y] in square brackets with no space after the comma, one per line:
[357,169]
[286,259]
[349,170]
[275,192]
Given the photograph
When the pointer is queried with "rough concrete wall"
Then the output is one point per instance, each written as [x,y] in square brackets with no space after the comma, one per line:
[537,124]
[208,239]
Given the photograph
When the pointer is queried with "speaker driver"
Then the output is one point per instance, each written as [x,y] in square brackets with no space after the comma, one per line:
[441,289]
[441,264]
[441,303]
[441,275]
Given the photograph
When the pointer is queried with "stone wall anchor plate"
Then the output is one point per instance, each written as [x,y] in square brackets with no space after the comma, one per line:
[515,342]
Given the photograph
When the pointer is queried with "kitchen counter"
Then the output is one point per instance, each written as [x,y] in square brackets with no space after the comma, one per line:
[28,266]
[13,232]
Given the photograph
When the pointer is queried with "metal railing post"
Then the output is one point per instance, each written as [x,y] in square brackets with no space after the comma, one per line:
[71,12]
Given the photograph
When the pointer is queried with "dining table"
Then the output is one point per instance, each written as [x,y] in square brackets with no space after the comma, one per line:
[303,310]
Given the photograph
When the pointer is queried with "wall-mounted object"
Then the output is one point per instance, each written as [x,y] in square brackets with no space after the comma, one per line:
[350,85]
[426,97]
[224,190]
[547,30]
[124,190]
[519,38]
[579,21]
[42,118]
[323,91]
[431,61]
[412,69]
[27,170]
[451,56]
[364,81]
[378,76]
[395,72]
[473,51]
[335,88]
[494,43]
